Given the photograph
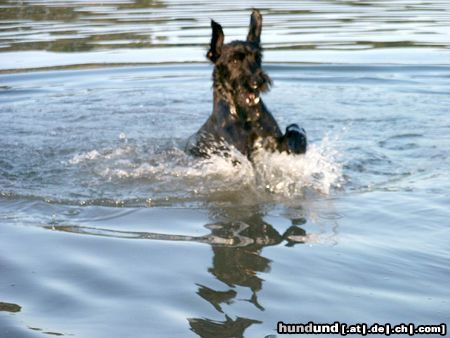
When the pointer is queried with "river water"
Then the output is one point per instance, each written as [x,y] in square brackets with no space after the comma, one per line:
[108,229]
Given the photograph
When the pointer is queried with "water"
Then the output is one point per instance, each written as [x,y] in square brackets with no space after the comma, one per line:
[108,229]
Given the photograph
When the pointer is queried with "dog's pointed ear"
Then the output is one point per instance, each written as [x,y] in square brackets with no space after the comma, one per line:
[254,34]
[217,38]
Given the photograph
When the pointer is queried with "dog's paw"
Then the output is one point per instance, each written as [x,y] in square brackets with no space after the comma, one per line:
[294,140]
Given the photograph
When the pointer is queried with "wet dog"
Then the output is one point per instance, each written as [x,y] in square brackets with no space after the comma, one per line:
[239,117]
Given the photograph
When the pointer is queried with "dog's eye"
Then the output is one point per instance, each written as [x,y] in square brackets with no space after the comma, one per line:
[238,57]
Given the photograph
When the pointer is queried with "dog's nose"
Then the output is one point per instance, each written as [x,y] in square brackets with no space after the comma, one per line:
[254,84]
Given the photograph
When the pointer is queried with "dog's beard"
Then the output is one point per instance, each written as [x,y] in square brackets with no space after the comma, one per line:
[237,91]
[250,99]
[246,96]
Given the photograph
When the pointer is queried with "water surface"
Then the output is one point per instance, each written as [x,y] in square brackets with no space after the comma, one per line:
[108,229]
[42,33]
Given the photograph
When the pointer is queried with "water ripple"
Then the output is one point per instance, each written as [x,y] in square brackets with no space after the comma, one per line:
[183,29]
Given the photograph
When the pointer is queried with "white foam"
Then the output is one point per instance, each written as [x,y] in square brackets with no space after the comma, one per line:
[289,175]
[96,155]
[274,174]
[83,157]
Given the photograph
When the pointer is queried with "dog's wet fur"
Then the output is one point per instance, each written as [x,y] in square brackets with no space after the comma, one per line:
[240,118]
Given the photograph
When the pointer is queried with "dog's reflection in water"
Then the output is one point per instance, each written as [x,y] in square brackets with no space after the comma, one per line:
[237,261]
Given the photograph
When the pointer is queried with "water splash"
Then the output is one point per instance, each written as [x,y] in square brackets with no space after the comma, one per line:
[173,173]
[318,170]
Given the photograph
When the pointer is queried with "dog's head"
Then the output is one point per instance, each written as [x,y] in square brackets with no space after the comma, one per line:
[238,75]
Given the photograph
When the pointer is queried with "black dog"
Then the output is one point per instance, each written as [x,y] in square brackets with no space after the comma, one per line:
[239,116]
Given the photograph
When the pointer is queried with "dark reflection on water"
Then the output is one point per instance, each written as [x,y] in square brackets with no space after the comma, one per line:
[237,261]
[10,307]
[82,26]
[207,328]
[251,233]
[69,32]
[50,333]
[241,267]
